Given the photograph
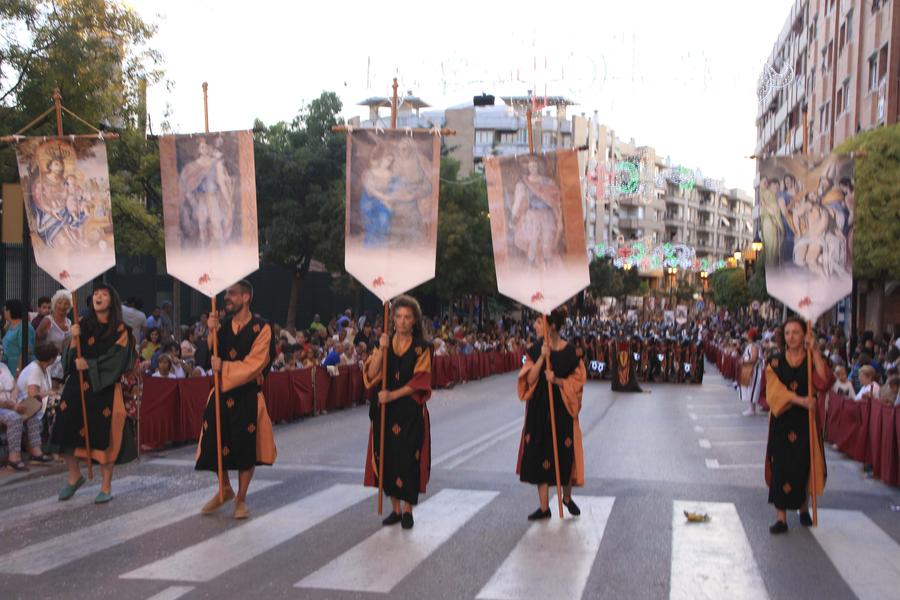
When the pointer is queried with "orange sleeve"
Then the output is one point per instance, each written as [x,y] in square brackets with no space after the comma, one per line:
[525,390]
[374,356]
[778,396]
[572,387]
[236,373]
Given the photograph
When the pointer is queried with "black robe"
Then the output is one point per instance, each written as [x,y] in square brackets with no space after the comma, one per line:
[787,450]
[621,368]
[247,438]
[110,355]
[536,464]
[407,427]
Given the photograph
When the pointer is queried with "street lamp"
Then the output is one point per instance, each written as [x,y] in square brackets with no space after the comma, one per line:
[757,244]
[672,271]
[704,277]
[737,255]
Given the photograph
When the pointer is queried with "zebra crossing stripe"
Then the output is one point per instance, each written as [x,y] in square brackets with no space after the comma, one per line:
[204,561]
[44,556]
[554,558]
[24,514]
[172,593]
[866,557]
[712,559]
[437,519]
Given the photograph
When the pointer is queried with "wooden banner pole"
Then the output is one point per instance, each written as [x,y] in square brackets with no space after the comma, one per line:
[394,102]
[57,103]
[559,496]
[84,416]
[813,431]
[217,382]
[530,132]
[384,381]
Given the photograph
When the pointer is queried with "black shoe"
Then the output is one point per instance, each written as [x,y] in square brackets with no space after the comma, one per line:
[778,527]
[805,519]
[406,521]
[539,514]
[391,519]
[573,508]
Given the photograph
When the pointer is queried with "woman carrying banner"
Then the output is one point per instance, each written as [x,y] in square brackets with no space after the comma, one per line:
[407,442]
[557,364]
[107,348]
[788,449]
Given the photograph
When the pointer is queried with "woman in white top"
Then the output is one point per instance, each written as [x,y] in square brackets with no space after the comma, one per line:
[870,388]
[12,410]
[55,329]
[752,362]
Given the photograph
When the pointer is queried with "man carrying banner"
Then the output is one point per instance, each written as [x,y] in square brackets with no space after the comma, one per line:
[108,352]
[622,372]
[246,346]
[555,363]
[407,428]
[788,449]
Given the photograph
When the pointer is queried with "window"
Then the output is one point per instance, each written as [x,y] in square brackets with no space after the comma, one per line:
[839,102]
[873,72]
[849,25]
[842,38]
[876,4]
[846,89]
[829,4]
[547,139]
[484,137]
[882,62]
[824,116]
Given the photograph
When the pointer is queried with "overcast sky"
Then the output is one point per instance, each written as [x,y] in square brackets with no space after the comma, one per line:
[678,76]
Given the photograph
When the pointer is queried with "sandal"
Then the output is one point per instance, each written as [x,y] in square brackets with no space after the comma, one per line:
[19,465]
[43,459]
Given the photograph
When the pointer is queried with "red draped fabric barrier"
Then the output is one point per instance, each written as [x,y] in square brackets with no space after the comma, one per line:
[873,447]
[833,419]
[193,395]
[172,409]
[853,430]
[159,412]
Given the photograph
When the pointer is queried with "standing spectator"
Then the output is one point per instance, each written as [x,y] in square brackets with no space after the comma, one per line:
[13,313]
[135,319]
[166,323]
[200,330]
[869,387]
[164,368]
[43,310]
[151,344]
[188,346]
[316,326]
[842,385]
[348,356]
[55,329]
[331,357]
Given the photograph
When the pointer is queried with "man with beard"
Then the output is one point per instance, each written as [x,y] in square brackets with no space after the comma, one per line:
[246,347]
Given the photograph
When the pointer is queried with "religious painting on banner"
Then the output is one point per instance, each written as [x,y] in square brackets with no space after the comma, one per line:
[806,219]
[537,226]
[65,182]
[209,208]
[390,242]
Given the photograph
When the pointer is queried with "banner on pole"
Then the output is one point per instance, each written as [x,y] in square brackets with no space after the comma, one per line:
[393,181]
[806,220]
[537,227]
[65,182]
[209,208]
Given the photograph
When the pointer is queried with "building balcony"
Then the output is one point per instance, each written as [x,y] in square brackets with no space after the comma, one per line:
[636,223]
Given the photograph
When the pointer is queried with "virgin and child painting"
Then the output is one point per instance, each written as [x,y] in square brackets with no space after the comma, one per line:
[537,226]
[806,220]
[392,209]
[65,183]
[209,208]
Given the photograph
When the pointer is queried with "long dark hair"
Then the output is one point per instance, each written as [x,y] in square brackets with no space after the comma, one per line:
[91,322]
[406,301]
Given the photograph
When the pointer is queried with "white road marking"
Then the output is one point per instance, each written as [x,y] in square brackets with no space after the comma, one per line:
[712,463]
[739,442]
[692,416]
[554,557]
[723,416]
[44,556]
[172,593]
[712,559]
[475,446]
[704,444]
[205,561]
[698,429]
[175,462]
[24,514]
[437,519]
[866,557]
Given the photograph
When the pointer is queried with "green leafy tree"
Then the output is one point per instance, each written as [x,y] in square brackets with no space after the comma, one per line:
[757,283]
[97,53]
[729,288]
[300,192]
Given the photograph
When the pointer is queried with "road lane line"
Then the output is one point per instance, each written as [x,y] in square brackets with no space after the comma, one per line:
[698,429]
[480,440]
[553,559]
[866,557]
[438,518]
[205,561]
[712,463]
[724,416]
[712,559]
[739,442]
[39,558]
[176,462]
[172,593]
[24,514]
[704,444]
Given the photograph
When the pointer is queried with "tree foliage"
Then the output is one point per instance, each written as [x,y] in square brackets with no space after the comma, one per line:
[97,53]
[300,191]
[877,203]
[757,283]
[607,280]
[729,288]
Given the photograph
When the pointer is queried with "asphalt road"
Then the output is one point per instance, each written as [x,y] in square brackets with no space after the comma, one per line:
[314,531]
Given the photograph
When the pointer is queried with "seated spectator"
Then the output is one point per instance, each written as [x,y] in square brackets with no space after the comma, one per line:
[164,368]
[348,356]
[440,347]
[869,388]
[150,344]
[331,357]
[172,350]
[361,353]
[890,393]
[188,344]
[842,385]
[13,407]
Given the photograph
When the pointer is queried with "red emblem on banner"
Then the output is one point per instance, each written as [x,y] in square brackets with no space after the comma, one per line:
[64,275]
[378,282]
[537,296]
[203,279]
[806,301]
